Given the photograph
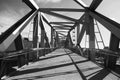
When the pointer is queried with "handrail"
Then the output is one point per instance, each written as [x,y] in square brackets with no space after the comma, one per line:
[107,52]
[112,53]
[22,52]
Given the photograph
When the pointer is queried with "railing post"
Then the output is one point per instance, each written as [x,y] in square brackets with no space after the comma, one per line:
[3,68]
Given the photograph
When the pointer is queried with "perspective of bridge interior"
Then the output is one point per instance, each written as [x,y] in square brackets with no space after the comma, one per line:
[59,40]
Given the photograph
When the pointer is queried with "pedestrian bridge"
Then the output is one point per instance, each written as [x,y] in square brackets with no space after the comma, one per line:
[57,54]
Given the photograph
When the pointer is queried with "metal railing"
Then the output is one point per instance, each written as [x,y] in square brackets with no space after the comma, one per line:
[101,55]
[14,56]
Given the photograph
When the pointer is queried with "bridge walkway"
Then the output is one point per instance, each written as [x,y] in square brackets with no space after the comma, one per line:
[62,64]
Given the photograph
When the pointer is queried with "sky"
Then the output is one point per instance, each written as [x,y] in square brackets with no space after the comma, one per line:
[13,10]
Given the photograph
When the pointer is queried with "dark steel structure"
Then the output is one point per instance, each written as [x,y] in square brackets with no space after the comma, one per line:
[58,32]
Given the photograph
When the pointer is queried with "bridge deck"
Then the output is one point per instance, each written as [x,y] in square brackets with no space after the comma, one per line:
[62,65]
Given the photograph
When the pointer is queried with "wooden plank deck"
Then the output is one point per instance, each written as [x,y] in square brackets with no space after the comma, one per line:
[62,65]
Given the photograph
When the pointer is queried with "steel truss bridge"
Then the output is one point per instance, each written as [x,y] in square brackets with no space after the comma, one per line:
[102,63]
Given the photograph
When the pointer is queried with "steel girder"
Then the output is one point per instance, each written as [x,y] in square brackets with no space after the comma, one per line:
[59,15]
[62,9]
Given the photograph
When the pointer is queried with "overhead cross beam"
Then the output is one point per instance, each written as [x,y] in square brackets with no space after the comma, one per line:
[93,6]
[62,22]
[61,33]
[61,28]
[67,27]
[60,25]
[62,9]
[59,15]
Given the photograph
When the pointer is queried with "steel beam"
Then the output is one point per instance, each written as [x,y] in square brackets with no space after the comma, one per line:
[59,28]
[51,37]
[62,9]
[47,41]
[35,37]
[42,43]
[10,35]
[19,46]
[35,31]
[61,33]
[46,21]
[95,4]
[63,26]
[9,31]
[57,40]
[114,46]
[29,4]
[81,34]
[91,33]
[78,22]
[111,25]
[18,41]
[62,22]
[91,38]
[42,33]
[84,28]
[52,30]
[59,15]
[78,32]
[70,40]
[81,3]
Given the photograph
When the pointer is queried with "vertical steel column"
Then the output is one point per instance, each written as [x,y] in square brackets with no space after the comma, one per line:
[78,32]
[42,39]
[91,38]
[81,34]
[47,42]
[35,35]
[70,40]
[42,43]
[58,40]
[78,36]
[114,46]
[51,37]
[55,39]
